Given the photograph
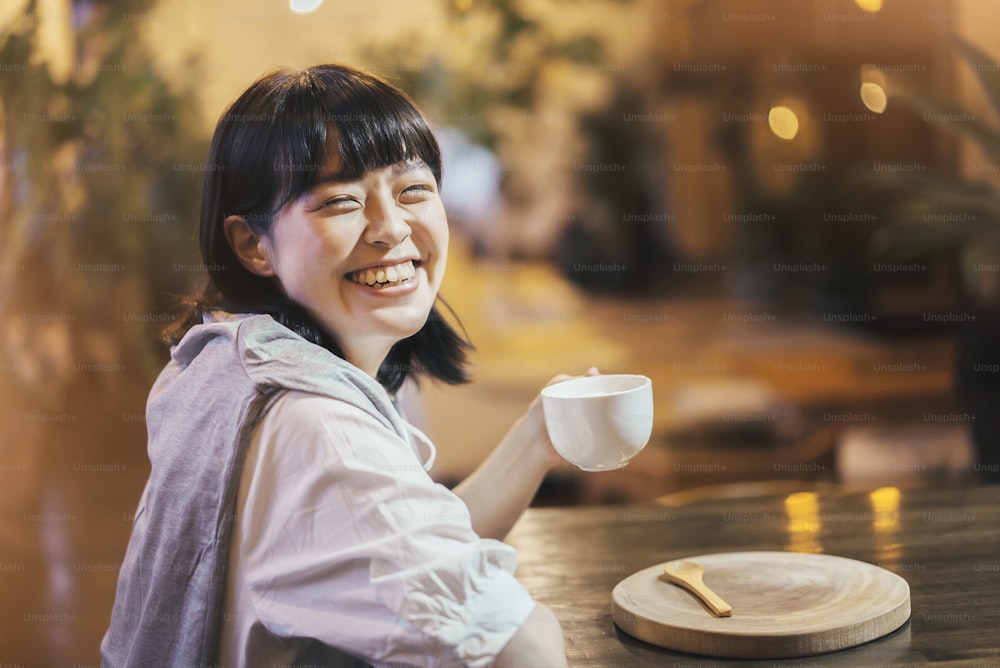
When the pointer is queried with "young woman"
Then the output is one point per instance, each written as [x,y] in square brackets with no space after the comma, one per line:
[289,518]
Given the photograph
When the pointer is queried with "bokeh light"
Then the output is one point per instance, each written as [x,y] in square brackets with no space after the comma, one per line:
[783,122]
[870,6]
[885,502]
[804,522]
[873,88]
[873,96]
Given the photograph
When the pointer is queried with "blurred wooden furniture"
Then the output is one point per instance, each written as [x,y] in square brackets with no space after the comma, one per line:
[746,490]
[944,541]
[672,466]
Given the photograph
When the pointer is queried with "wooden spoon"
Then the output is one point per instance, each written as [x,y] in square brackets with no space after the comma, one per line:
[688,574]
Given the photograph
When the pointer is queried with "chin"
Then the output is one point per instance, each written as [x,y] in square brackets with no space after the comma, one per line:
[403,328]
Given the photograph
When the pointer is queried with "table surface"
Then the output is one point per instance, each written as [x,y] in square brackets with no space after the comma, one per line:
[944,542]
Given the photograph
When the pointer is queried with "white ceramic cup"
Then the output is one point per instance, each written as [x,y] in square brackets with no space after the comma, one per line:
[599,423]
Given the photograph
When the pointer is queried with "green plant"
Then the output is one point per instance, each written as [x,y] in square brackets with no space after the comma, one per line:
[98,197]
[930,211]
[100,170]
[543,86]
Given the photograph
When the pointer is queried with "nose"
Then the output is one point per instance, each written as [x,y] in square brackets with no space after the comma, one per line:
[387,225]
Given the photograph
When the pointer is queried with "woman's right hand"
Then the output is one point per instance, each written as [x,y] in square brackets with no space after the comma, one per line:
[532,423]
[499,490]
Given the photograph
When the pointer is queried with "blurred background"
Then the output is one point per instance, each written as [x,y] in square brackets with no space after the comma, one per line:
[783,211]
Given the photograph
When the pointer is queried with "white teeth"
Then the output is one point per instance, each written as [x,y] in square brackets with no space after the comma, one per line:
[394,274]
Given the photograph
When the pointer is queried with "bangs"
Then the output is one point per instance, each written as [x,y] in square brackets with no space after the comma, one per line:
[373,126]
[275,143]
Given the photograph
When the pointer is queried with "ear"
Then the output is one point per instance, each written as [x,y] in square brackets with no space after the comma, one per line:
[248,246]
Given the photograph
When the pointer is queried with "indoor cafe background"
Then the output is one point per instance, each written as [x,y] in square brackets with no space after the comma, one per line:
[781,211]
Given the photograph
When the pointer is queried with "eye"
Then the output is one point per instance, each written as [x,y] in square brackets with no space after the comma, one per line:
[341,203]
[416,192]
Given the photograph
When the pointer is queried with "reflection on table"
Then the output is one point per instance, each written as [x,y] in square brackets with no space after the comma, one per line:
[945,542]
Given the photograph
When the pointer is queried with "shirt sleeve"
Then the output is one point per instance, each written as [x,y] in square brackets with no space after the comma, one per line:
[344,537]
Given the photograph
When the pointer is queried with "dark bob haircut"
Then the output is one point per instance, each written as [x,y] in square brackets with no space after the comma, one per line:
[269,148]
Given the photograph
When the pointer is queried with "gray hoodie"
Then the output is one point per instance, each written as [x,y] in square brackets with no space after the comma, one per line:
[220,381]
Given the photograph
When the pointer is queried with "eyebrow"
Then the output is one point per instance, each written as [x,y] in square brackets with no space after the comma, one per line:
[398,169]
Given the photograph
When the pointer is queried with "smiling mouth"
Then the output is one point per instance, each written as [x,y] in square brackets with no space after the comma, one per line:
[385,277]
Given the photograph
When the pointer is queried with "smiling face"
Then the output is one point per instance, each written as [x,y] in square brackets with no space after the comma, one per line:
[364,257]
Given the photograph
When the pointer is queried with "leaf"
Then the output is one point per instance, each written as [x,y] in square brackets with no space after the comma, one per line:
[924,225]
[953,119]
[985,68]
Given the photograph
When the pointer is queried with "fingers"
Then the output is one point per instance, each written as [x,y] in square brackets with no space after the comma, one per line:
[558,379]
[592,371]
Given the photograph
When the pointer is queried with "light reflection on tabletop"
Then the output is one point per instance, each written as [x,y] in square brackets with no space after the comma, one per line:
[804,522]
[572,558]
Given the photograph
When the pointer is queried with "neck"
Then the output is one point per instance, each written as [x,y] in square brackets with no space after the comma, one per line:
[368,358]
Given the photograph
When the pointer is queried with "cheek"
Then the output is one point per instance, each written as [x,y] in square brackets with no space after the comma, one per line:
[439,235]
[305,262]
[443,236]
[437,228]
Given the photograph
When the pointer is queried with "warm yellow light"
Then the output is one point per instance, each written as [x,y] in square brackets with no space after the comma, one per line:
[870,6]
[885,498]
[803,522]
[803,511]
[783,122]
[873,96]
[885,503]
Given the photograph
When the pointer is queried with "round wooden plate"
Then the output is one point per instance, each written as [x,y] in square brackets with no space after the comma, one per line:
[785,604]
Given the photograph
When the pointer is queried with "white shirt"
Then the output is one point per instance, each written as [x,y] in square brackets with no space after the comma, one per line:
[341,536]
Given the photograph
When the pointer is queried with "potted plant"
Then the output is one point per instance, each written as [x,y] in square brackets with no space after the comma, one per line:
[928,212]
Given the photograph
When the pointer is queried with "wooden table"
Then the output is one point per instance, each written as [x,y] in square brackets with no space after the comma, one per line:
[944,542]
